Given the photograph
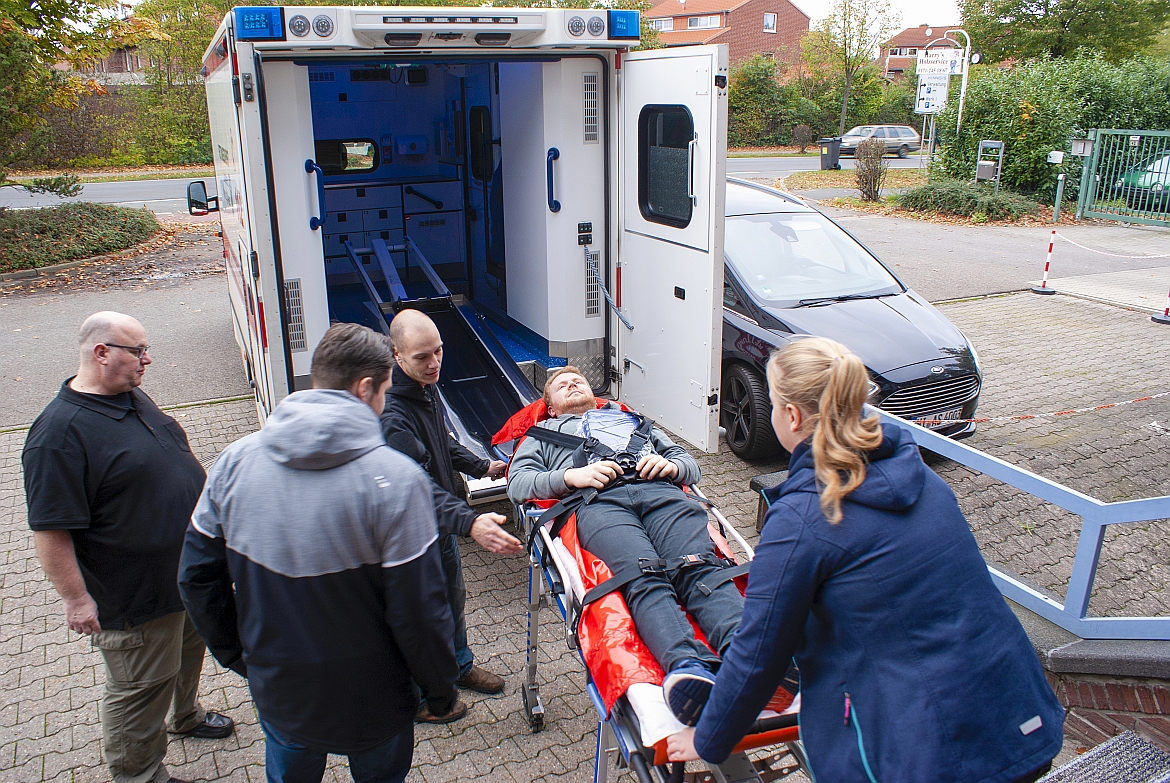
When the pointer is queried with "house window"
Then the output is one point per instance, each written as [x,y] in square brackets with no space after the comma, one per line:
[904,51]
[662,25]
[769,23]
[665,134]
[702,22]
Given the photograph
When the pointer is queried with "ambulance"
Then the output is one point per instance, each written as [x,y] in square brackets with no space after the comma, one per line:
[546,194]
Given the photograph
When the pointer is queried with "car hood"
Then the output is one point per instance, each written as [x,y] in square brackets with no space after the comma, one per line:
[887,333]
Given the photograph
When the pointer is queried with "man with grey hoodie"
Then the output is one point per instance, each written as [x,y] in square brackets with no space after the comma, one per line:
[312,568]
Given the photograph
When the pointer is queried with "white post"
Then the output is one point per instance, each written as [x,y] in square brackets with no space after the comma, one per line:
[966,68]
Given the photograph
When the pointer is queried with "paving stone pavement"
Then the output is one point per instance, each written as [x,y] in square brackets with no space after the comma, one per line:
[1039,354]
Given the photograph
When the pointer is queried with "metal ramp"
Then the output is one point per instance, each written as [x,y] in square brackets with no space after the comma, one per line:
[480,385]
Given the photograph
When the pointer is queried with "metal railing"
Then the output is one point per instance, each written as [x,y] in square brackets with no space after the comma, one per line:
[1072,615]
[1127,177]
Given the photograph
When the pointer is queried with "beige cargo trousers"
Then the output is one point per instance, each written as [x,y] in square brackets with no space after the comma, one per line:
[151,669]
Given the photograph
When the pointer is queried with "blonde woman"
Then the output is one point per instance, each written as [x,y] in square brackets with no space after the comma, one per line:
[912,666]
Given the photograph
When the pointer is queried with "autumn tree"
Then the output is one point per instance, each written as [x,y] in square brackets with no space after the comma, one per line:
[1023,29]
[34,37]
[848,39]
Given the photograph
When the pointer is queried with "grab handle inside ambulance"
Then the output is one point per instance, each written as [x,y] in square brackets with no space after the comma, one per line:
[553,204]
[692,145]
[310,167]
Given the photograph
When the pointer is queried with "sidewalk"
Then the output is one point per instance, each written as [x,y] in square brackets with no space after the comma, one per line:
[1139,289]
[1039,354]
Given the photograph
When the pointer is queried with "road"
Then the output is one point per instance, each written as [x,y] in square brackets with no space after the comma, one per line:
[158,195]
[169,195]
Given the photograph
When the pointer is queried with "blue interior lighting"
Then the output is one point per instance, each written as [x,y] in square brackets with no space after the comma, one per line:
[625,25]
[259,24]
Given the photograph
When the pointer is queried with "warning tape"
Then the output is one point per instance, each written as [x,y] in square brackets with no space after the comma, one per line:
[1099,252]
[990,419]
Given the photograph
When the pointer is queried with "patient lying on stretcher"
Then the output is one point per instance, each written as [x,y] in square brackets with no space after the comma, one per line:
[622,477]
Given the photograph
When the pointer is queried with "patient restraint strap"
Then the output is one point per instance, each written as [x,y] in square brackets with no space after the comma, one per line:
[727,572]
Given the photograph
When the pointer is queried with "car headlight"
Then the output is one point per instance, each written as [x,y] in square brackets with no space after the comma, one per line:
[1119,183]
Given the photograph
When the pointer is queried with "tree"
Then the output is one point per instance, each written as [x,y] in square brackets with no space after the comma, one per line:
[35,36]
[848,39]
[760,109]
[1022,29]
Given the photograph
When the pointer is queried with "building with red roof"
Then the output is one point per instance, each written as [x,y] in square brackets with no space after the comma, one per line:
[747,26]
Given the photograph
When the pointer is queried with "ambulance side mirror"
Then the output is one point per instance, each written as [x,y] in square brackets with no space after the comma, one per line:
[198,202]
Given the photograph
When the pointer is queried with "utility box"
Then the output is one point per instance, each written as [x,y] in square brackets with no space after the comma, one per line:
[1056,156]
[989,162]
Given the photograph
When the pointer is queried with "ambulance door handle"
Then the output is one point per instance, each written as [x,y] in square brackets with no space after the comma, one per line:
[310,167]
[553,204]
[691,146]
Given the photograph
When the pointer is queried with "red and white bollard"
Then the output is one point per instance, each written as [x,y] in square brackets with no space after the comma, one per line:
[1043,287]
[1164,318]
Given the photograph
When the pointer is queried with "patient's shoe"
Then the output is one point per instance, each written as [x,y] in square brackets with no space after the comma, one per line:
[687,688]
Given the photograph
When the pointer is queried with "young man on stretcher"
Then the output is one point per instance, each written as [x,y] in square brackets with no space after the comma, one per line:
[640,516]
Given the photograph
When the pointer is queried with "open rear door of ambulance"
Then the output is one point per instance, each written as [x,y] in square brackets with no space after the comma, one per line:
[673,168]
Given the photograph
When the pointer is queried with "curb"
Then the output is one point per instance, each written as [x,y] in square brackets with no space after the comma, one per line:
[7,278]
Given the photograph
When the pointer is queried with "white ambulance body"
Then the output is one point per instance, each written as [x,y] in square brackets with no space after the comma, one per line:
[490,166]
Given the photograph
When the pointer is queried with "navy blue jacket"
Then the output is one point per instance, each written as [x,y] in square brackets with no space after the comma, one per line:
[913,668]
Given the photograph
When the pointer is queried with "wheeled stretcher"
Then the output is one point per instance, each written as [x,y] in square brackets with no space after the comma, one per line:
[623,678]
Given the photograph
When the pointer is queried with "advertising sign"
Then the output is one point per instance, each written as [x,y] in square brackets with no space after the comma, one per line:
[939,62]
[932,93]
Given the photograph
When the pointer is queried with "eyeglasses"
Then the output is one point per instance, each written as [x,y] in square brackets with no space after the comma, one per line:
[138,350]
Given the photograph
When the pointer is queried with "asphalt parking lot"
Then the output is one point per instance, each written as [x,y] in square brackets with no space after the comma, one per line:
[1040,354]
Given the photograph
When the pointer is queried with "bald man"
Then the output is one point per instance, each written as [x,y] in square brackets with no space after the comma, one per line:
[413,424]
[111,482]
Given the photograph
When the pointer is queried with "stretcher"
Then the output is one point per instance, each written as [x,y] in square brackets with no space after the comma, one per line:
[623,679]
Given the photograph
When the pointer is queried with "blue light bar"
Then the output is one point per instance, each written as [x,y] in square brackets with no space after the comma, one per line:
[259,24]
[625,25]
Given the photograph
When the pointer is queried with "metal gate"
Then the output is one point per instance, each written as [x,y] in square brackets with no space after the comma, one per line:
[1127,177]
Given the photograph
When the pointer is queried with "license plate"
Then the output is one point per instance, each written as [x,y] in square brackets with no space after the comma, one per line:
[938,420]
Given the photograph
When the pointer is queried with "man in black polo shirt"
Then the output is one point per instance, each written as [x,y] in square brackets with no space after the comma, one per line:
[111,483]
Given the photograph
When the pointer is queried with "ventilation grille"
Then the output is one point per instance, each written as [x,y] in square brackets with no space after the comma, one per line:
[296,316]
[320,76]
[591,108]
[373,75]
[592,286]
[931,398]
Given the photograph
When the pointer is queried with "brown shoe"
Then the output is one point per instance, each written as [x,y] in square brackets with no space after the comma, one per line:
[481,681]
[424,714]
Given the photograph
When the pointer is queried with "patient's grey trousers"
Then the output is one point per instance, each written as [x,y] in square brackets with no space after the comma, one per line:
[649,520]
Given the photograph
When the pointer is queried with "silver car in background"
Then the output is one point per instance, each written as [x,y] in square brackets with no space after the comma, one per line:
[900,140]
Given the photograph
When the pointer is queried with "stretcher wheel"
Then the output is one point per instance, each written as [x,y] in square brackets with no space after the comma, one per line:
[533,708]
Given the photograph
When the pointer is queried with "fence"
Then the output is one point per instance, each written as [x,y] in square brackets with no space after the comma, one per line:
[1096,516]
[1127,177]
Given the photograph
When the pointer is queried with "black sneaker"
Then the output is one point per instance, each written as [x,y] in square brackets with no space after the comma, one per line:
[213,726]
[686,690]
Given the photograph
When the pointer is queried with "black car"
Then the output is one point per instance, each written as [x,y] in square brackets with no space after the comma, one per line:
[791,272]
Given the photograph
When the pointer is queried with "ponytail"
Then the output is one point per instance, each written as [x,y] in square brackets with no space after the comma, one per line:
[830,385]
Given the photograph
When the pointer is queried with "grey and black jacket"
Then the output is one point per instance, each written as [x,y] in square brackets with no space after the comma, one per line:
[339,606]
[538,468]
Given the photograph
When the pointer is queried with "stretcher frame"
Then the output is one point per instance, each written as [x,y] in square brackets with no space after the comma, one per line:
[618,735]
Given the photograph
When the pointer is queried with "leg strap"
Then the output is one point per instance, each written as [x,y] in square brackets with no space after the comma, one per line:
[727,572]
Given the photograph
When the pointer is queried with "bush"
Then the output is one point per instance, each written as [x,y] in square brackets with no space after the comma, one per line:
[954,197]
[761,111]
[802,135]
[870,168]
[1037,107]
[33,238]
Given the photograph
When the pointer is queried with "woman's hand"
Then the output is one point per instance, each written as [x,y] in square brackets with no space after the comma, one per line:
[681,746]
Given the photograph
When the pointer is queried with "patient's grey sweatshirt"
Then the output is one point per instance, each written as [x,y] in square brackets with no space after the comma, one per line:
[538,468]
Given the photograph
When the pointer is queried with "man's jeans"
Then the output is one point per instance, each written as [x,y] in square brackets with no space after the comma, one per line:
[653,519]
[457,598]
[286,761]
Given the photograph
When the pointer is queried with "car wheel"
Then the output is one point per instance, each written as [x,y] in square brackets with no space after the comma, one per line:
[746,414]
[903,151]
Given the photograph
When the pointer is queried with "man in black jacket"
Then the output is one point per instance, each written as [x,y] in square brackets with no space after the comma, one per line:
[413,424]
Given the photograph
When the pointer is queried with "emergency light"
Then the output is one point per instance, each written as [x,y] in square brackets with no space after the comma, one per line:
[260,24]
[625,25]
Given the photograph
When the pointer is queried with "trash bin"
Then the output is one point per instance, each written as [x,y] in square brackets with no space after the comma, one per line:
[830,153]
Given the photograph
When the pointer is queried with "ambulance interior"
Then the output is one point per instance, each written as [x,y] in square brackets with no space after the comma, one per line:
[447,165]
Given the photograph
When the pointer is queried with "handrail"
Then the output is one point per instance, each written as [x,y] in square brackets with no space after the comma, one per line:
[1072,615]
[553,154]
[310,167]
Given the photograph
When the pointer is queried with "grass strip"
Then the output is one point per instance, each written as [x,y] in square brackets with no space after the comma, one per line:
[34,238]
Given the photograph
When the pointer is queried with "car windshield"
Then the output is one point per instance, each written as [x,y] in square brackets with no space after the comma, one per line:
[862,130]
[784,258]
